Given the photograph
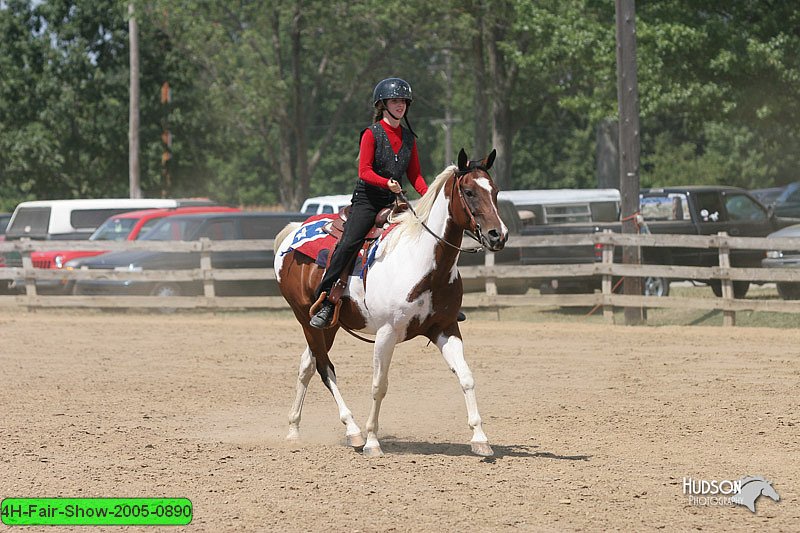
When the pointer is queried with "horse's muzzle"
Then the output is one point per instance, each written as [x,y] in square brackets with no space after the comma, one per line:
[494,240]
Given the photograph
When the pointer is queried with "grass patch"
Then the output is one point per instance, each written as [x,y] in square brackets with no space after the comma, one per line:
[655,316]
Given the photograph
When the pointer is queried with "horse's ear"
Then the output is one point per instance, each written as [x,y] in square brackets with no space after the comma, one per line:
[490,159]
[462,160]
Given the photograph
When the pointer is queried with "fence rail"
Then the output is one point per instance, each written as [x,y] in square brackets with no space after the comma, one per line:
[606,269]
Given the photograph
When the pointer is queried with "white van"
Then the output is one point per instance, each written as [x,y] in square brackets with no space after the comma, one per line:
[561,206]
[77,219]
[325,204]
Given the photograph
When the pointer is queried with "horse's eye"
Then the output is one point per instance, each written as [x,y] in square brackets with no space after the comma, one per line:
[469,193]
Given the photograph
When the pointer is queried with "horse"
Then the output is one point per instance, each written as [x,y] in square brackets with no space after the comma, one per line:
[752,488]
[413,288]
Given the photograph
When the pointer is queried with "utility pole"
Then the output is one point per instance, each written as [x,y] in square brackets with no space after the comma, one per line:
[448,121]
[166,140]
[629,145]
[133,119]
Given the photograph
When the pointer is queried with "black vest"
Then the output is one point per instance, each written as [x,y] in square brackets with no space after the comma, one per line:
[387,164]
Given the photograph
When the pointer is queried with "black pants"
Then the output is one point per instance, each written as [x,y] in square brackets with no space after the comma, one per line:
[366,204]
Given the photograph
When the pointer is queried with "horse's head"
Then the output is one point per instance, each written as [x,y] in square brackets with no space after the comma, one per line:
[473,202]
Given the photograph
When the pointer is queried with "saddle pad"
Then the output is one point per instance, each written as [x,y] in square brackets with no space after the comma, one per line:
[312,240]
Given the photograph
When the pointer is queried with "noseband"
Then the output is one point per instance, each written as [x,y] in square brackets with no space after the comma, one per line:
[474,230]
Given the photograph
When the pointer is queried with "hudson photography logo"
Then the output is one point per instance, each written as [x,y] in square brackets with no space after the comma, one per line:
[728,493]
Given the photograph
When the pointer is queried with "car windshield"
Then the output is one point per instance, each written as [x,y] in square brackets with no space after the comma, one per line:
[114,229]
[173,229]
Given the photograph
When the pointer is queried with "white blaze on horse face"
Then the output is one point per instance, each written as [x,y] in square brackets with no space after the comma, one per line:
[484,183]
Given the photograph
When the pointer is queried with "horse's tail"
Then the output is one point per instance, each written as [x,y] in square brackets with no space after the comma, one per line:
[282,234]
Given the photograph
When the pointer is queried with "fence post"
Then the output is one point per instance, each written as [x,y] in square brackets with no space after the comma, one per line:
[491,281]
[205,268]
[728,317]
[607,285]
[28,273]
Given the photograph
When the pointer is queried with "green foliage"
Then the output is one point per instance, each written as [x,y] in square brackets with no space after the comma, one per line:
[268,98]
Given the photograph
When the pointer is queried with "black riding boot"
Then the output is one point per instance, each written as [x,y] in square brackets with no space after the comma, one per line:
[322,318]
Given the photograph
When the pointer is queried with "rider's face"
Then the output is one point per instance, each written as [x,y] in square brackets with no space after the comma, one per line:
[397,106]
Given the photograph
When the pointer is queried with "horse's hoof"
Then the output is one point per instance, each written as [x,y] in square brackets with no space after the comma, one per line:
[293,435]
[356,440]
[373,451]
[482,449]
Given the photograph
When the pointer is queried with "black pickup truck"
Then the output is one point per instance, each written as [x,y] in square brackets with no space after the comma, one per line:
[692,210]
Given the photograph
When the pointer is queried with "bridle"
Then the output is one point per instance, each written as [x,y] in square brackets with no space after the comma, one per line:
[474,231]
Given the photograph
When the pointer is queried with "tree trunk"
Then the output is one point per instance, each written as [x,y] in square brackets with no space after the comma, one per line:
[133,120]
[503,79]
[502,137]
[481,111]
[302,177]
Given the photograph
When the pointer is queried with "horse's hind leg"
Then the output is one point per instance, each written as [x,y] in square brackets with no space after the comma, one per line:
[328,375]
[303,378]
[316,357]
[449,342]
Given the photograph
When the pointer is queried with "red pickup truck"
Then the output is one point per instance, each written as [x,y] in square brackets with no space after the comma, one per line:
[123,227]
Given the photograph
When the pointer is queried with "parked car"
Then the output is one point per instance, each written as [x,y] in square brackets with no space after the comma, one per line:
[77,219]
[319,205]
[767,196]
[5,284]
[507,256]
[785,259]
[4,219]
[215,226]
[562,206]
[690,210]
[125,226]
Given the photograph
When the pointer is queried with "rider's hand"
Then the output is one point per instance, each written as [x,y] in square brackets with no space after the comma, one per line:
[394,186]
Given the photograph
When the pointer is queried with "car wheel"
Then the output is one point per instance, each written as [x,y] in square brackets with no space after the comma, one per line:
[789,291]
[740,288]
[165,290]
[655,286]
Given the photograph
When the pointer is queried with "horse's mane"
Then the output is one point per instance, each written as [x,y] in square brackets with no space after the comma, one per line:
[409,225]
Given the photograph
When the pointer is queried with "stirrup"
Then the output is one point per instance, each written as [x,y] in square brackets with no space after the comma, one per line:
[324,316]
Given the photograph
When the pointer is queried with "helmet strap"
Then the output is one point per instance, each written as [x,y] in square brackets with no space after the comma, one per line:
[386,108]
[409,125]
[405,116]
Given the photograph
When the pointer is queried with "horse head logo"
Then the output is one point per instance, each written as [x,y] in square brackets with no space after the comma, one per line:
[752,488]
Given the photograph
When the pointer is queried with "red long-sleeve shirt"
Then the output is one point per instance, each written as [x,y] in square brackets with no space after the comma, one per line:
[366,157]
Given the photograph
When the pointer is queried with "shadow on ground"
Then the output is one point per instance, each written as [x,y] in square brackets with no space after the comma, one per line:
[392,445]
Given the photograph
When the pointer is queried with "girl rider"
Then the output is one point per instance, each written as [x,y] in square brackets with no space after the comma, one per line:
[388,151]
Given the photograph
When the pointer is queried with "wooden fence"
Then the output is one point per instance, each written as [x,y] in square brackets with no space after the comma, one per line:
[489,272]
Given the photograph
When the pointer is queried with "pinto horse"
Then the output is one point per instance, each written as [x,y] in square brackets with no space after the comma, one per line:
[413,288]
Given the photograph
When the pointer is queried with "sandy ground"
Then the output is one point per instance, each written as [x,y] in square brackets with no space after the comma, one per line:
[594,427]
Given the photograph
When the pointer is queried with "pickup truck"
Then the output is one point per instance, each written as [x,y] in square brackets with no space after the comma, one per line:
[691,210]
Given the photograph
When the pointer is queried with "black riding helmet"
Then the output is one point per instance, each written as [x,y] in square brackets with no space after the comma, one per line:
[394,88]
[391,88]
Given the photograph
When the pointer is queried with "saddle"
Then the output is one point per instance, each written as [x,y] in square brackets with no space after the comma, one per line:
[335,229]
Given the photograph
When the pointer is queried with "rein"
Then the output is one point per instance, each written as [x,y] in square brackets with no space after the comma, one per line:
[458,175]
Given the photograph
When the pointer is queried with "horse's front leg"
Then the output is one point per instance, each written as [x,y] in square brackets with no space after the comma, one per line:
[449,342]
[385,341]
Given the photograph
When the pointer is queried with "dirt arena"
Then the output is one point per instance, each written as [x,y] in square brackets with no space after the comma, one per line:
[594,428]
